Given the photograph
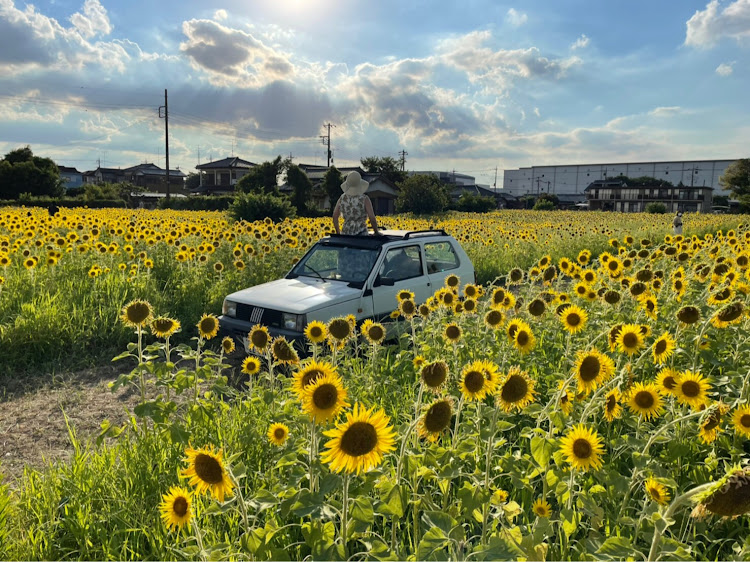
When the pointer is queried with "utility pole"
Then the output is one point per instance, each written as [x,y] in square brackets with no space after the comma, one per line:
[165,107]
[494,185]
[538,189]
[403,154]
[327,140]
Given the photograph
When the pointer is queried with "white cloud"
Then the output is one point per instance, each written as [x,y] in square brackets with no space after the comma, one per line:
[725,69]
[516,18]
[580,43]
[665,111]
[220,15]
[708,26]
[94,20]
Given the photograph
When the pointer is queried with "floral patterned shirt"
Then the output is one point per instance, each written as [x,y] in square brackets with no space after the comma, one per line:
[355,216]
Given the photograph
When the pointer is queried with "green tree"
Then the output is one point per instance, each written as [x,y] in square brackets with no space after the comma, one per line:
[22,172]
[386,166]
[422,194]
[656,208]
[263,178]
[301,187]
[258,206]
[192,181]
[332,184]
[736,178]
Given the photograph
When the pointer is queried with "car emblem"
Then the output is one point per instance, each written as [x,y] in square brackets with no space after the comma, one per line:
[256,315]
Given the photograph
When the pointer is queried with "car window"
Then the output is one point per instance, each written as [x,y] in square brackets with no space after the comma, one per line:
[440,256]
[402,263]
[338,262]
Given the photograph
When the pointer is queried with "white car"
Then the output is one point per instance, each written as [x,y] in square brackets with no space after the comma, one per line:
[342,275]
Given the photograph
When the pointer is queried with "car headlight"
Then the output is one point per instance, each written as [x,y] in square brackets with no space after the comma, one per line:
[295,322]
[229,309]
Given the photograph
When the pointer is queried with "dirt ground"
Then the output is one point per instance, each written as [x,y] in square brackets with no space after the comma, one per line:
[33,431]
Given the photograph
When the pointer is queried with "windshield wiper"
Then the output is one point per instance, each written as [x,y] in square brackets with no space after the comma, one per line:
[311,268]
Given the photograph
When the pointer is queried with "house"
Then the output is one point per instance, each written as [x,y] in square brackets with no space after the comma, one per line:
[381,191]
[70,177]
[153,178]
[104,175]
[617,195]
[220,176]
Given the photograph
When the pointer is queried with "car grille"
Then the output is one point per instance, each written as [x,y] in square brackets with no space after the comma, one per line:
[259,315]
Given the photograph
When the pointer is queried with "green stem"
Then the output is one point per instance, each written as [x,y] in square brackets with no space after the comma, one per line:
[345,515]
[312,454]
[488,454]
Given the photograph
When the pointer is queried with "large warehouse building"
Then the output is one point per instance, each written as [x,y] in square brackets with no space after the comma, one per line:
[572,180]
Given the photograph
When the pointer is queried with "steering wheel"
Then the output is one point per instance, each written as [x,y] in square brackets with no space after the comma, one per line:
[390,273]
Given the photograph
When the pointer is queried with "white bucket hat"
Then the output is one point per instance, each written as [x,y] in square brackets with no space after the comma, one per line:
[354,184]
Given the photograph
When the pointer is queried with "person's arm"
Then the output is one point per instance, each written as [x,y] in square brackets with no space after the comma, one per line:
[336,215]
[371,216]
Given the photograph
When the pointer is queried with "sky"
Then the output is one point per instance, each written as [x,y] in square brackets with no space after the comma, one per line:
[471,86]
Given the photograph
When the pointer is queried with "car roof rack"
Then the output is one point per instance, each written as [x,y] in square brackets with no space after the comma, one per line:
[425,232]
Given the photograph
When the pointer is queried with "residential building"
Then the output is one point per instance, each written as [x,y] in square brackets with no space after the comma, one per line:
[617,195]
[220,176]
[573,179]
[153,178]
[71,177]
[104,175]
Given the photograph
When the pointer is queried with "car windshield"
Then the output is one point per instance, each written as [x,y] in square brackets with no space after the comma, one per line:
[342,263]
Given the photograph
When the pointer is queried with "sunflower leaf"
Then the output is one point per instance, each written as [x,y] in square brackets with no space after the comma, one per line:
[434,539]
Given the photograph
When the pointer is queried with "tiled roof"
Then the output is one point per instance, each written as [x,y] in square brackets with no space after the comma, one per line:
[231,162]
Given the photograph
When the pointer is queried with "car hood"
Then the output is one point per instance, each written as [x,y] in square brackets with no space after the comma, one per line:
[300,295]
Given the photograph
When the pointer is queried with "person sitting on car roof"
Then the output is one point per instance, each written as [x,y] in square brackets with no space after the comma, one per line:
[355,206]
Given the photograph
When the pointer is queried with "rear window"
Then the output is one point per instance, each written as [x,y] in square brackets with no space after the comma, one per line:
[440,256]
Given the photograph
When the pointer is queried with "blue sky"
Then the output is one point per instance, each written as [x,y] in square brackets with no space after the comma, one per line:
[467,86]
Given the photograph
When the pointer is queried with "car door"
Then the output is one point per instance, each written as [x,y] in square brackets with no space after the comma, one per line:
[441,259]
[404,266]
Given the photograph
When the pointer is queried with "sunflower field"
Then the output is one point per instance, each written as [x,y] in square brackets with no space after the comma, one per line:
[586,399]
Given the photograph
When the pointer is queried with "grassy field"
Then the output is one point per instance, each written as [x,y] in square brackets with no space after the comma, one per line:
[590,404]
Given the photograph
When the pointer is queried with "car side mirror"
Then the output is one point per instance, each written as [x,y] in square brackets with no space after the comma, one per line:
[386,281]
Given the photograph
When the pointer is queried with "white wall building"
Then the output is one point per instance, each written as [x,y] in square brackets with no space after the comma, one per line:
[569,180]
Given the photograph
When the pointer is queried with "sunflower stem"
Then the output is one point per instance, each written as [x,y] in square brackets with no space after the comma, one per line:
[199,540]
[458,418]
[197,367]
[240,500]
[312,454]
[488,454]
[399,467]
[345,515]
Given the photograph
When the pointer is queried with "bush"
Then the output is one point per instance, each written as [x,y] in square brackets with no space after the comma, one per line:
[422,194]
[656,208]
[469,203]
[47,202]
[198,203]
[258,206]
[544,205]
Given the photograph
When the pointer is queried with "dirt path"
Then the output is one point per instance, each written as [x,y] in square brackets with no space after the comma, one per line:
[33,431]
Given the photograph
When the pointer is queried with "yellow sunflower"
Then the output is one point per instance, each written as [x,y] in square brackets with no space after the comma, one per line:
[688,315]
[227,344]
[711,426]
[163,327]
[208,326]
[645,400]
[259,338]
[283,351]
[339,329]
[374,332]
[656,491]
[407,308]
[324,398]
[630,339]
[316,332]
[574,318]
[251,365]
[582,447]
[309,373]
[434,375]
[474,384]
[666,380]
[207,473]
[541,508]
[730,314]
[663,348]
[692,389]
[741,421]
[592,368]
[175,508]
[137,313]
[435,419]
[278,433]
[524,340]
[515,390]
[612,408]
[359,442]
[404,294]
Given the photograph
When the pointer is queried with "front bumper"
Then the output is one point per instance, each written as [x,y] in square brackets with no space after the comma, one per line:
[239,329]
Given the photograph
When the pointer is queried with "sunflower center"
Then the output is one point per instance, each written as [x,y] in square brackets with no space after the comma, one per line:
[733,498]
[279,433]
[688,314]
[590,368]
[163,325]
[514,389]
[660,347]
[282,351]
[316,331]
[573,319]
[207,325]
[438,417]
[630,340]
[613,265]
[669,382]
[611,403]
[180,506]
[375,332]
[731,313]
[745,420]
[691,389]
[582,448]
[474,381]
[712,423]
[522,338]
[359,439]
[494,318]
[339,329]
[325,396]
[208,469]
[310,377]
[434,374]
[453,332]
[259,339]
[498,297]
[644,399]
[407,307]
